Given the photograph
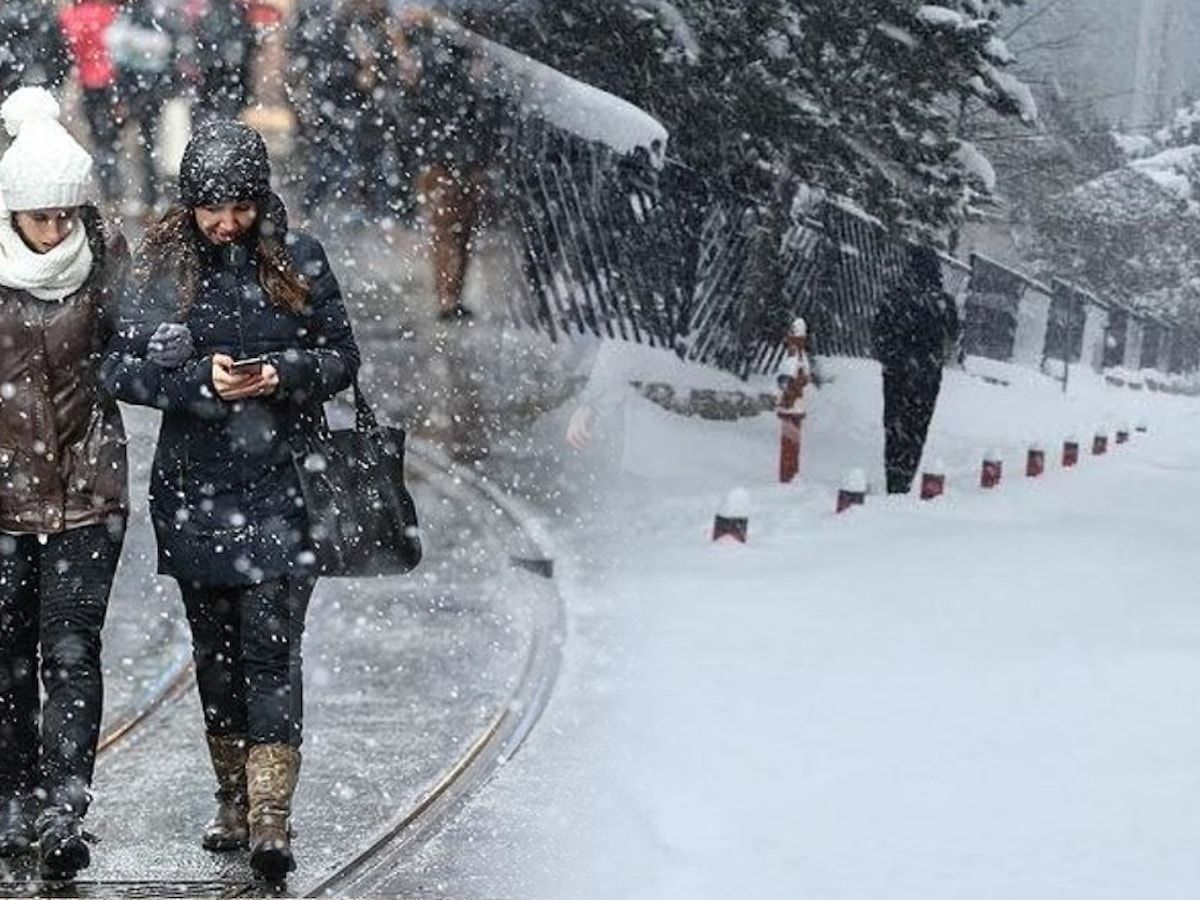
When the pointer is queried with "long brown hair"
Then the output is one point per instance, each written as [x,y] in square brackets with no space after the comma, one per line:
[171,250]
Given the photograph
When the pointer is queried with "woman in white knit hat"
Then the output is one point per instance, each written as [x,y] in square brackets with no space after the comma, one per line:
[62,480]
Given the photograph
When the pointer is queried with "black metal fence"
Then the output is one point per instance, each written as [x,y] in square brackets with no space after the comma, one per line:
[620,248]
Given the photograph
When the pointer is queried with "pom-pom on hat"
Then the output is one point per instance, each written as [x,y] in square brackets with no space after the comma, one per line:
[224,162]
[44,167]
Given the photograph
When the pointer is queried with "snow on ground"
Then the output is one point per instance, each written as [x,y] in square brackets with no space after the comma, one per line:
[993,695]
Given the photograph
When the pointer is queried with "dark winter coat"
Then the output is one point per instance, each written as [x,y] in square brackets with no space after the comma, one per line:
[31,46]
[913,327]
[224,46]
[344,69]
[224,495]
[449,112]
[62,447]
[147,72]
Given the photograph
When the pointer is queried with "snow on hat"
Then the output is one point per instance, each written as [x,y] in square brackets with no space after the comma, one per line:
[225,161]
[44,167]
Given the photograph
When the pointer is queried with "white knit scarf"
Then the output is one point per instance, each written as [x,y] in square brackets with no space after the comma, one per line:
[53,275]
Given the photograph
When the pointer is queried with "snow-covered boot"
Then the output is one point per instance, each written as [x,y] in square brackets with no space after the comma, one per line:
[228,829]
[272,772]
[18,815]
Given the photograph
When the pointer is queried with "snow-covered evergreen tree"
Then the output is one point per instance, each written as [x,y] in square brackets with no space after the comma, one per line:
[859,96]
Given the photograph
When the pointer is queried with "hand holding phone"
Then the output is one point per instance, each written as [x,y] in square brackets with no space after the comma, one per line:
[252,366]
[237,380]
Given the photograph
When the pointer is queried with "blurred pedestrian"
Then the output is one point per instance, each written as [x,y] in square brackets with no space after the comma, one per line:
[344,88]
[32,51]
[453,125]
[916,324]
[85,24]
[63,494]
[142,42]
[223,53]
[239,334]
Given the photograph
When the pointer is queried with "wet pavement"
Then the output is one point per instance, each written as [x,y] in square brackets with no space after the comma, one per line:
[404,676]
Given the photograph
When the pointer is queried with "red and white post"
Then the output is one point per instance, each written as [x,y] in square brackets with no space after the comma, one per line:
[853,492]
[991,471]
[794,376]
[933,481]
[1070,455]
[1035,462]
[732,522]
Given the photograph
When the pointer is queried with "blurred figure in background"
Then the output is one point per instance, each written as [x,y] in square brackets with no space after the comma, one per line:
[454,126]
[343,86]
[320,142]
[367,82]
[223,54]
[85,25]
[142,42]
[32,51]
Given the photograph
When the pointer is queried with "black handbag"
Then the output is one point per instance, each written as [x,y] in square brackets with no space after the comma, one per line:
[361,518]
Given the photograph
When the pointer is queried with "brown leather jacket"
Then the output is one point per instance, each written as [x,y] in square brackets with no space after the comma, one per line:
[62,444]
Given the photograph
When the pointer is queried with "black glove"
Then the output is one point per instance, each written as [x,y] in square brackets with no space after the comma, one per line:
[170,345]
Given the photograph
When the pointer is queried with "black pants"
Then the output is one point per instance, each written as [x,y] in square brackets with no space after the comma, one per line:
[53,595]
[909,397]
[100,105]
[246,642]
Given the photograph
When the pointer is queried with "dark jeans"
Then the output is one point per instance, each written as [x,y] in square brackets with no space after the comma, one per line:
[909,396]
[53,595]
[100,105]
[246,642]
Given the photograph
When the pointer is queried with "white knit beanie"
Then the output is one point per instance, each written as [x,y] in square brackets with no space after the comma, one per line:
[44,167]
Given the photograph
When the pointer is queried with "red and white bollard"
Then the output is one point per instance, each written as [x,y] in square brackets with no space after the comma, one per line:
[1035,462]
[1070,455]
[732,522]
[853,491]
[1099,444]
[794,375]
[933,483]
[789,446]
[991,471]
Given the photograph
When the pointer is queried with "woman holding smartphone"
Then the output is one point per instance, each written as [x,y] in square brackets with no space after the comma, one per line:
[62,480]
[238,334]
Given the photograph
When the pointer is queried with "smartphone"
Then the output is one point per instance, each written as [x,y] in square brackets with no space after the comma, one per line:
[247,366]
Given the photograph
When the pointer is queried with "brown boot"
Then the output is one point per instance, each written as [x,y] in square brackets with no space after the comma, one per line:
[272,771]
[228,829]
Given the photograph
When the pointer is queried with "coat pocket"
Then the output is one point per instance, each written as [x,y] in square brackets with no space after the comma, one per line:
[97,466]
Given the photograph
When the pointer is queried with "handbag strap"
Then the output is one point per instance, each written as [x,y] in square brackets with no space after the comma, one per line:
[364,415]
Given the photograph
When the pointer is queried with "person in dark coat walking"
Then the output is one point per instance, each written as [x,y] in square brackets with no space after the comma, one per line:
[344,85]
[221,280]
[32,51]
[454,123]
[224,53]
[62,480]
[916,323]
[142,42]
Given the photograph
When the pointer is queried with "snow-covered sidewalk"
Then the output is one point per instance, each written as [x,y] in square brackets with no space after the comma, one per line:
[993,695]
